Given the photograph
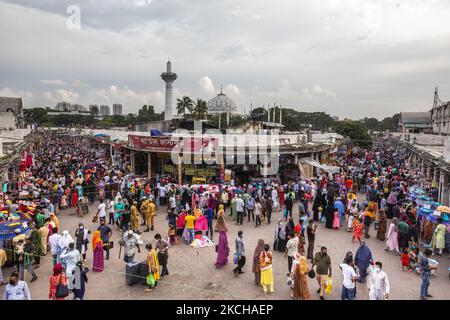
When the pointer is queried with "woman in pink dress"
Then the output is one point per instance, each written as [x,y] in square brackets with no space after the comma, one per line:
[392,236]
[336,223]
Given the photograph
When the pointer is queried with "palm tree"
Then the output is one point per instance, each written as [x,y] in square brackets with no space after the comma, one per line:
[200,109]
[184,104]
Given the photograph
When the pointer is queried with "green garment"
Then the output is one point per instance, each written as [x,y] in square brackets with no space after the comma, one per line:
[439,237]
[233,209]
[403,227]
[35,238]
[40,220]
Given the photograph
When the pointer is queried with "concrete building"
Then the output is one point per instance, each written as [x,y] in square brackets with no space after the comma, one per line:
[440,118]
[11,113]
[93,108]
[104,110]
[430,154]
[415,122]
[117,109]
[63,106]
[168,77]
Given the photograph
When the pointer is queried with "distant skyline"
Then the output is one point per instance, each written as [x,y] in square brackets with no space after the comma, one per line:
[348,58]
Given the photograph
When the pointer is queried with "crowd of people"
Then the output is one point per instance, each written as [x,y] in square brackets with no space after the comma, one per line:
[61,172]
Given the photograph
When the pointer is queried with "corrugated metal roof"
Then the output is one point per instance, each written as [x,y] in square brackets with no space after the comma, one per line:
[415,118]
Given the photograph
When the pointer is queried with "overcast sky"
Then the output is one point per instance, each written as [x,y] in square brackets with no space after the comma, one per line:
[350,58]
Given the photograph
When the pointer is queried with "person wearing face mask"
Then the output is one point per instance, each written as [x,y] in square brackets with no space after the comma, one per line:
[378,283]
[16,289]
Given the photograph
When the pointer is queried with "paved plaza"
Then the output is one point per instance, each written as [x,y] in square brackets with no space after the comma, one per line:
[194,276]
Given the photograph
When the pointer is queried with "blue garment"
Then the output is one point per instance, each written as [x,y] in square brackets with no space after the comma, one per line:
[208,214]
[340,207]
[363,258]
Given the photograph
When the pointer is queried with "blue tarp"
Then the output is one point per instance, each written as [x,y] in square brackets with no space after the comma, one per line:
[8,232]
[156,133]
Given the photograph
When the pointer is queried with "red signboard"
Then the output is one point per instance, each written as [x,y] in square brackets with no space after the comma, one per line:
[166,144]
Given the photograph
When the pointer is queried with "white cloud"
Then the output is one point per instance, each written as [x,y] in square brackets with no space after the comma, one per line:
[207,85]
[61,95]
[348,58]
[61,83]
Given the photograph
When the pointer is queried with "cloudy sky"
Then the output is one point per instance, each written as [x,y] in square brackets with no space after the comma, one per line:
[350,58]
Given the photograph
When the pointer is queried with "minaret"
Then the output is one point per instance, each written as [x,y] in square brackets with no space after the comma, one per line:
[168,77]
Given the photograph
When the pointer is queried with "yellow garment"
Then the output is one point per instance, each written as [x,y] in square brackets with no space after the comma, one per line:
[134,218]
[152,208]
[303,263]
[2,257]
[44,231]
[153,264]
[267,277]
[197,213]
[190,220]
[55,220]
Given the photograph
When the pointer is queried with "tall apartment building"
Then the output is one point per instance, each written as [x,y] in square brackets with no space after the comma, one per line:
[104,110]
[117,109]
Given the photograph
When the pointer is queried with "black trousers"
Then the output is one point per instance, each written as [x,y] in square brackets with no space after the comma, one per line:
[289,264]
[240,265]
[240,217]
[268,215]
[251,213]
[210,229]
[289,212]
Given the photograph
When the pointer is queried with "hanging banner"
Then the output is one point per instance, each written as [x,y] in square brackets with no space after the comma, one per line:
[166,144]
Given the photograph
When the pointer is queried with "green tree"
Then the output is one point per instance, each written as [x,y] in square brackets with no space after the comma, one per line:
[355,131]
[184,104]
[200,109]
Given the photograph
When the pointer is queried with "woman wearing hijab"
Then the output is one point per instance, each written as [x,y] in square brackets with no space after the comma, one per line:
[223,251]
[80,280]
[299,271]
[329,216]
[265,265]
[255,268]
[280,237]
[97,248]
[392,237]
[55,279]
[220,224]
[363,258]
[382,222]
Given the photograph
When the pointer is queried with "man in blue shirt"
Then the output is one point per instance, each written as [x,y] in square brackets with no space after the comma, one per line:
[250,208]
[105,235]
[208,213]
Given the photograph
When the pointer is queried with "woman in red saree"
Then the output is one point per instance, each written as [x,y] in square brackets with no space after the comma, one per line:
[74,200]
[97,248]
[57,277]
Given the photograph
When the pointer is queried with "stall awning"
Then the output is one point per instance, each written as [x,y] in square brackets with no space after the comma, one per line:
[315,163]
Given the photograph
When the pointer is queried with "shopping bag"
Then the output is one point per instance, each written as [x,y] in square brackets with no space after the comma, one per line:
[62,291]
[235,259]
[329,286]
[150,280]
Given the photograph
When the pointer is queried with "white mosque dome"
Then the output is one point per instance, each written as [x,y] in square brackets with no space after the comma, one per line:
[221,103]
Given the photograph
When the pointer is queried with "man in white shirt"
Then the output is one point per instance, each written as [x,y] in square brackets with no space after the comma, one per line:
[53,242]
[162,195]
[350,277]
[172,203]
[291,249]
[240,209]
[378,283]
[101,213]
[111,212]
[70,257]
